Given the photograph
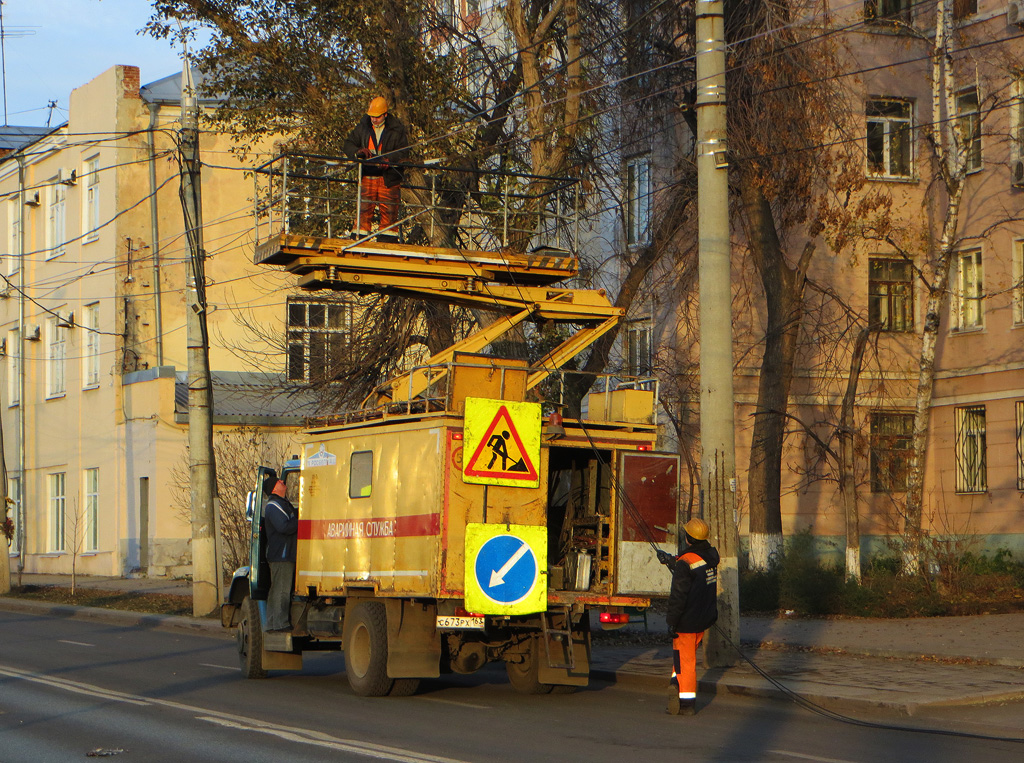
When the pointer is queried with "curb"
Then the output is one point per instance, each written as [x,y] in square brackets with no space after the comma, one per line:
[113,616]
[888,654]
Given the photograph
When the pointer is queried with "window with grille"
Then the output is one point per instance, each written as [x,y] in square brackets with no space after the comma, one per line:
[639,361]
[890,151]
[891,294]
[92,509]
[971,469]
[1020,444]
[891,450]
[638,200]
[58,517]
[968,293]
[318,334]
[969,119]
[888,10]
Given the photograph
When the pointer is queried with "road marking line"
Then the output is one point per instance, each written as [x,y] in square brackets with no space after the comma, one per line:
[222,667]
[306,736]
[453,702]
[802,756]
[76,643]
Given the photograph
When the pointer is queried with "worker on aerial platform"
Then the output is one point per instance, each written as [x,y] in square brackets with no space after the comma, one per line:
[381,142]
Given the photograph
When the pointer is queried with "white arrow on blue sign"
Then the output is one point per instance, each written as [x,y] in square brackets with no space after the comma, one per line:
[506,568]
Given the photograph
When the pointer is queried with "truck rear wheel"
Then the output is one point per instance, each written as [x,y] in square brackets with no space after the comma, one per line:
[250,640]
[524,675]
[366,650]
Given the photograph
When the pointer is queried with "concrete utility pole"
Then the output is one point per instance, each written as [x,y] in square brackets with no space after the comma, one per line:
[5,559]
[717,434]
[206,577]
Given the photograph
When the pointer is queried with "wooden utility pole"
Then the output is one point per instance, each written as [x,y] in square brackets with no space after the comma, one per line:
[717,433]
[206,577]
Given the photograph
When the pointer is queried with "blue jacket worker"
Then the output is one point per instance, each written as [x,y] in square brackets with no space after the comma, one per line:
[281,523]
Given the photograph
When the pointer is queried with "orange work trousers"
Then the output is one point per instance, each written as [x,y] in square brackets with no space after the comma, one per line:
[375,195]
[684,662]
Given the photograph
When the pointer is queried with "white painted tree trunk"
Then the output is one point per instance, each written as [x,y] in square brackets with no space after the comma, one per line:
[765,550]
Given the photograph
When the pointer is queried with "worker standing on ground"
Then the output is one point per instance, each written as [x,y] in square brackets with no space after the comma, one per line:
[381,142]
[692,609]
[281,523]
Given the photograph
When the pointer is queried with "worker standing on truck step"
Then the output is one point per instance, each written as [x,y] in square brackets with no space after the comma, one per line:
[381,142]
[281,523]
[692,609]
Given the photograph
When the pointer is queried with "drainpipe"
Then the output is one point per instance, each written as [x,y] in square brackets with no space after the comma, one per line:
[154,232]
[22,403]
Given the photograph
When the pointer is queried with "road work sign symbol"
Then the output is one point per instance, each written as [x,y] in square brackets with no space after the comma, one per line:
[504,439]
[506,569]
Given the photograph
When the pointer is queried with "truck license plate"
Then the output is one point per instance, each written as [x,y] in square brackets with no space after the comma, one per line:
[451,622]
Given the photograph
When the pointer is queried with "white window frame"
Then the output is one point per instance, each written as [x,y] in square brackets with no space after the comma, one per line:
[58,501]
[91,349]
[13,367]
[1017,119]
[638,200]
[56,218]
[1018,282]
[892,11]
[91,493]
[14,511]
[971,450]
[892,127]
[305,338]
[56,354]
[91,198]
[969,120]
[967,302]
[14,213]
[639,348]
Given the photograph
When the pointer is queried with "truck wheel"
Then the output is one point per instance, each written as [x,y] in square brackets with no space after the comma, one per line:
[404,687]
[250,640]
[523,675]
[366,650]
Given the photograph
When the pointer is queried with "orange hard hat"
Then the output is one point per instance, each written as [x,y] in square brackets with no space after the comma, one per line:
[697,529]
[377,107]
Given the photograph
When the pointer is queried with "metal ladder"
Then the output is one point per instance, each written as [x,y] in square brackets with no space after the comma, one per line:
[559,635]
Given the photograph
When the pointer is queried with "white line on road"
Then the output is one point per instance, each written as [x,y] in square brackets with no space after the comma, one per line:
[305,736]
[802,756]
[76,643]
[453,702]
[222,667]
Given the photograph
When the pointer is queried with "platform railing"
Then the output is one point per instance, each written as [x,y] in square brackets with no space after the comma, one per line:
[442,206]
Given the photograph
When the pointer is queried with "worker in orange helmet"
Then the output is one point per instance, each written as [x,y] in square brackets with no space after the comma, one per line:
[380,141]
[692,609]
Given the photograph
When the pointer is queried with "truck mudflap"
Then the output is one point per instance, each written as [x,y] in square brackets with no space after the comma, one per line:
[565,658]
[414,643]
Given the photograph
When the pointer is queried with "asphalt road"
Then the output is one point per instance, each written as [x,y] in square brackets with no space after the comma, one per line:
[71,687]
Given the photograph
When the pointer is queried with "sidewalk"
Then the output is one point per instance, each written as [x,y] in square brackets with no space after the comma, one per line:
[897,665]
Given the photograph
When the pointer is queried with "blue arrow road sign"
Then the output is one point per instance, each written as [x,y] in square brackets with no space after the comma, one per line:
[506,568]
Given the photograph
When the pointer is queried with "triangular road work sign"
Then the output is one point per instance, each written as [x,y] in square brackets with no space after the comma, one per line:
[508,449]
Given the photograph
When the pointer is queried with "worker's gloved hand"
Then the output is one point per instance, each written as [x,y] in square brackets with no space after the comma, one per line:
[665,557]
[363,153]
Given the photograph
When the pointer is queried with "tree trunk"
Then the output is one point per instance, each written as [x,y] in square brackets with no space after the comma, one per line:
[847,475]
[783,291]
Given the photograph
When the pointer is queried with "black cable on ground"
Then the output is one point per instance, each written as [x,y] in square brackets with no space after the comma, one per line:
[814,707]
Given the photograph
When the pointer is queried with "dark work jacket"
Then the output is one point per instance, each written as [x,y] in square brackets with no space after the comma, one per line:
[393,148]
[693,600]
[281,522]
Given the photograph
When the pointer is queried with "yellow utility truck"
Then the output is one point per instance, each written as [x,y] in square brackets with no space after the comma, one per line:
[457,519]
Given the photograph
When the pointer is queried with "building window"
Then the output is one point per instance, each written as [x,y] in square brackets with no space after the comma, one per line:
[1020,444]
[891,294]
[317,337]
[971,472]
[969,120]
[14,366]
[889,142]
[56,353]
[14,512]
[56,228]
[91,216]
[58,519]
[964,8]
[639,361]
[638,200]
[91,353]
[1018,282]
[14,228]
[91,489]
[967,314]
[891,449]
[1017,121]
[888,10]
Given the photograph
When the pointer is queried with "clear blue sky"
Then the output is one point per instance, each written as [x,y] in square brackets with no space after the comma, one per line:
[74,41]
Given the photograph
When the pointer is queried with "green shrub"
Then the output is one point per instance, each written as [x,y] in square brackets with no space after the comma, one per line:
[759,591]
